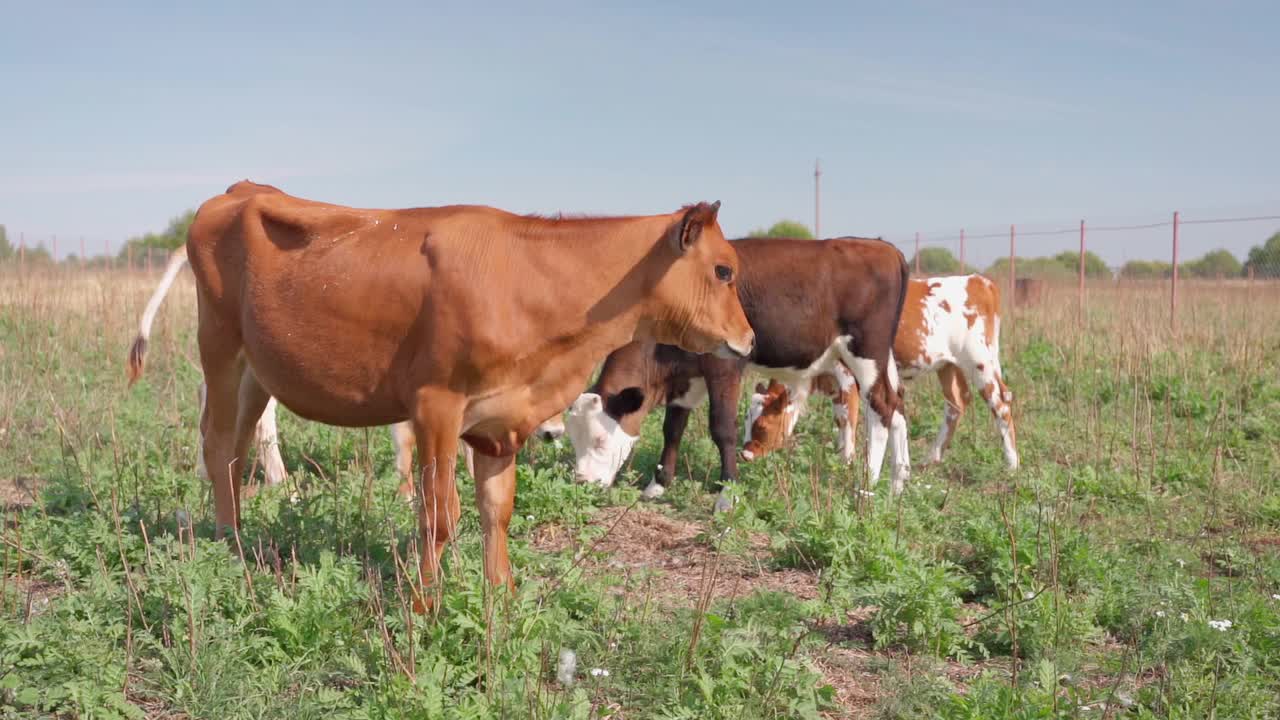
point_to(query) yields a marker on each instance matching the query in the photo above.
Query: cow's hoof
(724, 503)
(654, 490)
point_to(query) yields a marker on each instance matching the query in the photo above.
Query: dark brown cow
(457, 318)
(815, 306)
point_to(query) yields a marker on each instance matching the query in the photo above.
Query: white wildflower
(1028, 595)
(1159, 613)
(599, 672)
(1181, 563)
(1183, 616)
(1275, 596)
(529, 518)
(1220, 625)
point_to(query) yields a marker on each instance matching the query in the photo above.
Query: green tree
(38, 255)
(1000, 268)
(173, 236)
(785, 229)
(1094, 267)
(1146, 270)
(1215, 264)
(937, 261)
(1265, 258)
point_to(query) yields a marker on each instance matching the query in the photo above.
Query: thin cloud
(135, 181)
(892, 90)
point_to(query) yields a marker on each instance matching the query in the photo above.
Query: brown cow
(815, 305)
(456, 318)
(950, 325)
(266, 436)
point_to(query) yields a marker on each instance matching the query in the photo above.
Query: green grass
(1092, 583)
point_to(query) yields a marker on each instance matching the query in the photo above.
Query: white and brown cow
(951, 326)
(817, 307)
(266, 435)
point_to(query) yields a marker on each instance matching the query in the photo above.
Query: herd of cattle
(474, 324)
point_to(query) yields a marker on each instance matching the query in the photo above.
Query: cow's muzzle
(736, 350)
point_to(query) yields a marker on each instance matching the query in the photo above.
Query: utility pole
(817, 199)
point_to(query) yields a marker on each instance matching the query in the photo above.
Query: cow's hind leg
(845, 403)
(999, 399)
(403, 439)
(886, 424)
(252, 404)
(955, 393)
(234, 401)
(845, 407)
(202, 470)
(266, 437)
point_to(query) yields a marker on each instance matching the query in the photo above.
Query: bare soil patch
(641, 538)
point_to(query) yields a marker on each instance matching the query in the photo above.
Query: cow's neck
(615, 263)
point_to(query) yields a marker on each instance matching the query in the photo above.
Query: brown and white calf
(266, 435)
(815, 306)
(951, 326)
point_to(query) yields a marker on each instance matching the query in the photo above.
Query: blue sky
(928, 116)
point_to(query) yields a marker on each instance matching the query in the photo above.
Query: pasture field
(1131, 568)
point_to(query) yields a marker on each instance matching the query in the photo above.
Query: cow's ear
(625, 402)
(761, 389)
(695, 219)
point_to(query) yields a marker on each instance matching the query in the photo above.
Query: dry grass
(1226, 334)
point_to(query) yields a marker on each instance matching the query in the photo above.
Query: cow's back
(304, 284)
(942, 317)
(804, 294)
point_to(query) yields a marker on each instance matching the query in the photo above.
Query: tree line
(1263, 258)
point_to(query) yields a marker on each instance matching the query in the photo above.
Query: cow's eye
(724, 273)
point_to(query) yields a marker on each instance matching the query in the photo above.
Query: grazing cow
(454, 318)
(266, 436)
(816, 306)
(773, 412)
(950, 325)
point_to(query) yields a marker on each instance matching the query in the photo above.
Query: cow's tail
(138, 352)
(905, 270)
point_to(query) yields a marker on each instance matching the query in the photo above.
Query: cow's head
(767, 420)
(600, 443)
(695, 302)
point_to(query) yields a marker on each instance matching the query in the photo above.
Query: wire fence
(26, 252)
(1026, 260)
